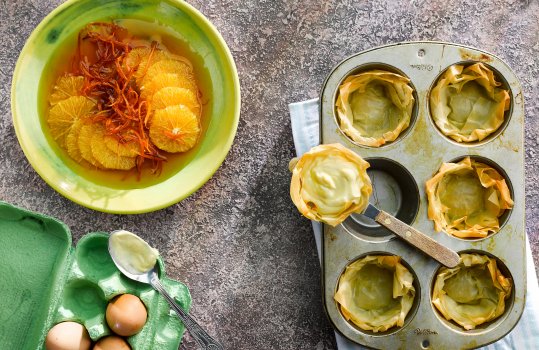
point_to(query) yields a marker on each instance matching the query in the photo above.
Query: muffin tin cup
(509, 302)
(380, 66)
(411, 313)
(504, 84)
(394, 191)
(421, 152)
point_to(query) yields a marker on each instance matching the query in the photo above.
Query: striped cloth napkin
(305, 130)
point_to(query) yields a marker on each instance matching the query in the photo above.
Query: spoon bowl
(144, 277)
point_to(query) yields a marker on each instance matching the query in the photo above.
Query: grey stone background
(239, 244)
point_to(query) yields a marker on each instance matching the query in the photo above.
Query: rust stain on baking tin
(466, 55)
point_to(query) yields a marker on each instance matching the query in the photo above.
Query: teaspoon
(151, 277)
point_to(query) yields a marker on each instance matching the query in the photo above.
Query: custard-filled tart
(330, 182)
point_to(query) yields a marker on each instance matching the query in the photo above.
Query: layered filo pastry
(376, 293)
(330, 182)
(473, 292)
(467, 199)
(374, 107)
(468, 103)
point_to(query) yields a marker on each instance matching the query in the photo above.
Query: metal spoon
(150, 277)
(421, 241)
(412, 236)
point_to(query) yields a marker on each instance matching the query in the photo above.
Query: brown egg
(68, 336)
(111, 342)
(126, 315)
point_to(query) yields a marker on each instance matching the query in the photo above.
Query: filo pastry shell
(376, 293)
(467, 103)
(473, 292)
(330, 182)
(374, 107)
(467, 198)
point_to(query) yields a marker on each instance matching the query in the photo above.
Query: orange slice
(66, 112)
(174, 129)
(171, 95)
(167, 80)
(66, 87)
(182, 68)
(86, 135)
(139, 60)
(134, 57)
(72, 143)
(106, 157)
(125, 149)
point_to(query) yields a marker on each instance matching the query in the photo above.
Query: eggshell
(111, 343)
(68, 336)
(126, 315)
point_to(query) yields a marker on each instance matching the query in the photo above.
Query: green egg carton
(45, 280)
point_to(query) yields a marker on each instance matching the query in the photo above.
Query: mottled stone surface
(247, 255)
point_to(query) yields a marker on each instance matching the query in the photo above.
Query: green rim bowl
(33, 76)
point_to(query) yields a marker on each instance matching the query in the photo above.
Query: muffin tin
(399, 171)
(47, 281)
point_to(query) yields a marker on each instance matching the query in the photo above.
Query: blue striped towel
(305, 130)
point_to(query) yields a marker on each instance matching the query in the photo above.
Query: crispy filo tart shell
(468, 104)
(376, 293)
(466, 199)
(473, 292)
(374, 107)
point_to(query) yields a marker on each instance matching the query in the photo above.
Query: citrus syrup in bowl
(136, 33)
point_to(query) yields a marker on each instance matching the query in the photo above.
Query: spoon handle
(200, 335)
(426, 244)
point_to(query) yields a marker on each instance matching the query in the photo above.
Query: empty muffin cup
(377, 294)
(470, 103)
(374, 105)
(395, 191)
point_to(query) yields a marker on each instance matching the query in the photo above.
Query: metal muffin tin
(399, 171)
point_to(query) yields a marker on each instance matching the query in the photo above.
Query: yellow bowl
(109, 192)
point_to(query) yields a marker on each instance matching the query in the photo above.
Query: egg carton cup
(78, 286)
(399, 171)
